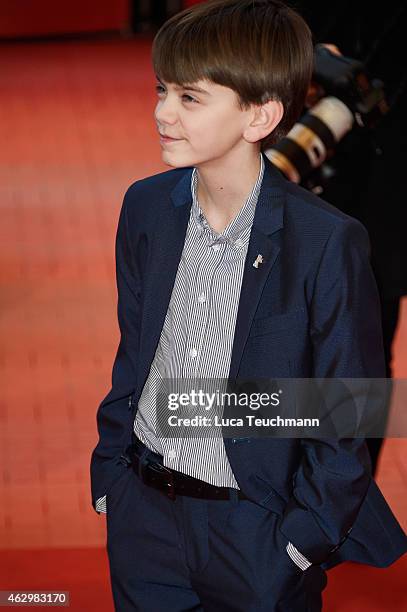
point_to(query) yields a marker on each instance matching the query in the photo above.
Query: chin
(173, 164)
(171, 160)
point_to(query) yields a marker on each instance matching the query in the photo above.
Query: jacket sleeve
(115, 411)
(334, 474)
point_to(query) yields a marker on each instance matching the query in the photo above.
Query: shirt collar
(235, 230)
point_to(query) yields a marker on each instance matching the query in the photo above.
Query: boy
(226, 270)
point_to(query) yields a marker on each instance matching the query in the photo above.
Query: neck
(223, 187)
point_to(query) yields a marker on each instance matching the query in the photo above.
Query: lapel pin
(259, 259)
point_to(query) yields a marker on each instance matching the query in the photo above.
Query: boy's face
(206, 124)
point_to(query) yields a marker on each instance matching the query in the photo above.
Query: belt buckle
(162, 470)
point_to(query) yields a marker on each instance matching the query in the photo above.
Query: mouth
(168, 139)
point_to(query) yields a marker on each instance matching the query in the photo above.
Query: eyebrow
(190, 88)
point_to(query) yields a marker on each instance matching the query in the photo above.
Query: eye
(160, 89)
(190, 98)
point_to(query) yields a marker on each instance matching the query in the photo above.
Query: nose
(165, 112)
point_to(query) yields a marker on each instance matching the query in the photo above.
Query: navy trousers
(200, 555)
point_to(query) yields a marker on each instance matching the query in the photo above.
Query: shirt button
(239, 242)
(172, 454)
(216, 247)
(201, 298)
(193, 352)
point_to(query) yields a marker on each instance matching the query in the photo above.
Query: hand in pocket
(286, 576)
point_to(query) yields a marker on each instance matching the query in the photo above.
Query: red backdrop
(188, 3)
(41, 17)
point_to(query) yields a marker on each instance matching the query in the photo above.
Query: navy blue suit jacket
(310, 310)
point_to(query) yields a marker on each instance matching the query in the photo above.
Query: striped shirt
(197, 336)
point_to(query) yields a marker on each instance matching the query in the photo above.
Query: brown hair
(262, 49)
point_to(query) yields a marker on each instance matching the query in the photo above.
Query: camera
(342, 97)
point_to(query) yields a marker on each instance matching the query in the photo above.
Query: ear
(263, 120)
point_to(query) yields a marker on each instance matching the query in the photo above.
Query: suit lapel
(252, 287)
(265, 240)
(167, 248)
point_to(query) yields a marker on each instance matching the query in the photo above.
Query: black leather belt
(171, 482)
